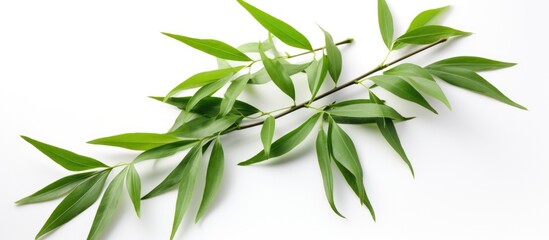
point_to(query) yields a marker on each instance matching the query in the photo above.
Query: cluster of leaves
(205, 118)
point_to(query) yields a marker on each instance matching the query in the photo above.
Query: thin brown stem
(347, 84)
(346, 41)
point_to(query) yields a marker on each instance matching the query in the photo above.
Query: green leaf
(325, 163)
(254, 46)
(214, 175)
(388, 130)
(429, 34)
(293, 69)
(420, 79)
(133, 185)
(475, 64)
(364, 110)
(286, 143)
(210, 106)
(202, 79)
(316, 74)
(267, 133)
(165, 150)
(136, 141)
(206, 91)
(233, 91)
(344, 152)
(280, 29)
(186, 187)
(426, 17)
(279, 75)
(213, 47)
(260, 77)
(78, 200)
(108, 205)
(385, 20)
(222, 63)
(470, 80)
(176, 175)
(69, 160)
(402, 89)
(351, 120)
(204, 127)
(335, 61)
(182, 118)
(56, 189)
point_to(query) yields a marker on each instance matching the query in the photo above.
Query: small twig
(347, 84)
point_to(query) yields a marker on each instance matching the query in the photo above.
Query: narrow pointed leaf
(107, 206)
(209, 106)
(470, 80)
(334, 59)
(365, 110)
(176, 175)
(402, 89)
(280, 29)
(385, 19)
(202, 79)
(165, 150)
(316, 74)
(214, 175)
(133, 185)
(352, 120)
(206, 91)
(136, 141)
(420, 79)
(204, 127)
(279, 75)
(325, 163)
(56, 189)
(233, 91)
(213, 47)
(286, 143)
(260, 77)
(185, 192)
(183, 118)
(429, 34)
(343, 151)
(254, 46)
(426, 17)
(475, 64)
(78, 200)
(293, 69)
(267, 133)
(67, 159)
(388, 130)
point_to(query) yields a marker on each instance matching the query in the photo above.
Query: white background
(72, 71)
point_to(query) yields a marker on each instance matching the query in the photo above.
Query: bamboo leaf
(136, 141)
(210, 106)
(260, 77)
(78, 200)
(286, 143)
(343, 151)
(475, 64)
(233, 91)
(470, 80)
(334, 59)
(206, 91)
(56, 189)
(214, 175)
(202, 79)
(293, 69)
(253, 47)
(280, 29)
(325, 163)
(204, 127)
(385, 20)
(279, 75)
(402, 89)
(133, 185)
(420, 79)
(364, 110)
(185, 192)
(316, 74)
(426, 17)
(165, 150)
(213, 47)
(67, 159)
(429, 34)
(267, 133)
(176, 175)
(108, 205)
(388, 130)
